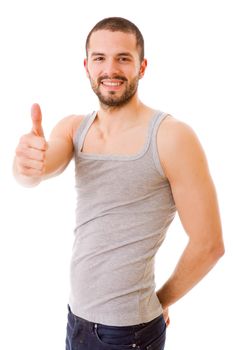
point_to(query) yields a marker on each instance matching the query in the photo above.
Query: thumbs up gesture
(36, 116)
(31, 150)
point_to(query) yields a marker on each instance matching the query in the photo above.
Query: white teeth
(108, 83)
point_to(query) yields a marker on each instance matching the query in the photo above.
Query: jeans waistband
(91, 325)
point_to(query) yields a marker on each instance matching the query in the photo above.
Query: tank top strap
(82, 130)
(158, 116)
(154, 146)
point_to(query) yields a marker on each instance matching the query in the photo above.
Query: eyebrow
(119, 54)
(97, 54)
(128, 54)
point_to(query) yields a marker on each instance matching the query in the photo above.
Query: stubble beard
(111, 100)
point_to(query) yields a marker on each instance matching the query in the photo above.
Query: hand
(31, 150)
(166, 317)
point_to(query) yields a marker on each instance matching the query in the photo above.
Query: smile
(111, 83)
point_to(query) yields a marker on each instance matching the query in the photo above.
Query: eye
(124, 59)
(99, 58)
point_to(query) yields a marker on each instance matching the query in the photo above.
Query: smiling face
(113, 66)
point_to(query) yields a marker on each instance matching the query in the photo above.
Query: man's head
(119, 24)
(115, 60)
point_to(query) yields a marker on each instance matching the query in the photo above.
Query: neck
(113, 119)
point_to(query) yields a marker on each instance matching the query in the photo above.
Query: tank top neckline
(99, 156)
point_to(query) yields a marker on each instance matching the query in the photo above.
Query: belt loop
(93, 327)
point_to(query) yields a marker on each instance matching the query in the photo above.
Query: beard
(111, 99)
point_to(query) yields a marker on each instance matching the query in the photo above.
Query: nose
(111, 67)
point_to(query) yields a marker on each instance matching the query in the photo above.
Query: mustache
(120, 77)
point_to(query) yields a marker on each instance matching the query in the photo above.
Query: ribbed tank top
(124, 207)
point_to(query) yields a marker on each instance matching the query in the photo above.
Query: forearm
(58, 156)
(193, 265)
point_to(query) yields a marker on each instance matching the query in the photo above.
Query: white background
(189, 50)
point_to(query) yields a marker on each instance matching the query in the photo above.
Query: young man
(135, 167)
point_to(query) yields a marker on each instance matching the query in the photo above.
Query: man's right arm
(36, 159)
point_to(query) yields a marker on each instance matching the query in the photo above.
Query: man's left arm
(185, 165)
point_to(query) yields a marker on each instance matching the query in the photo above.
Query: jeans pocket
(113, 339)
(152, 336)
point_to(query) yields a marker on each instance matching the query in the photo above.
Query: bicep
(60, 147)
(186, 168)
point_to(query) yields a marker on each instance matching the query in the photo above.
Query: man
(135, 167)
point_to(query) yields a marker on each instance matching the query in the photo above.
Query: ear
(143, 68)
(85, 66)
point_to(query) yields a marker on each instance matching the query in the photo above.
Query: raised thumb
(36, 116)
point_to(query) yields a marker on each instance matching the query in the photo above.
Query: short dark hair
(119, 24)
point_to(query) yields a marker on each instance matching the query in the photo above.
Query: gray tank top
(124, 207)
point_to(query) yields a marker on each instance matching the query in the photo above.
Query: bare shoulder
(175, 131)
(67, 127)
(179, 147)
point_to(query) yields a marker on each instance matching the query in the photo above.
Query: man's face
(113, 66)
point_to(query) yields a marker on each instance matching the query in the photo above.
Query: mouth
(113, 84)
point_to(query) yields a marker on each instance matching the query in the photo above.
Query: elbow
(217, 251)
(220, 251)
(210, 252)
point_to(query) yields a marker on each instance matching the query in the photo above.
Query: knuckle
(21, 140)
(43, 155)
(43, 144)
(18, 152)
(18, 148)
(40, 143)
(22, 170)
(39, 165)
(20, 163)
(24, 139)
(42, 171)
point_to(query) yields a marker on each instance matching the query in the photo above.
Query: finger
(31, 141)
(31, 163)
(30, 153)
(36, 116)
(29, 172)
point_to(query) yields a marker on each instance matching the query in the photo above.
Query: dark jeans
(86, 335)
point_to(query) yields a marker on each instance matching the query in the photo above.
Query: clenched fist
(31, 150)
